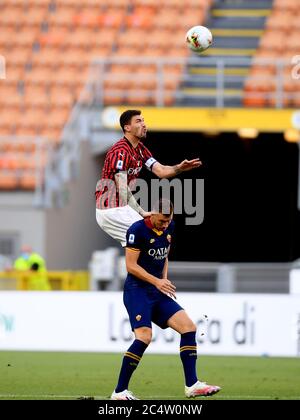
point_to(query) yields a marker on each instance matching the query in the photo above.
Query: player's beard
(143, 135)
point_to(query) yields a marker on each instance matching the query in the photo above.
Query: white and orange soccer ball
(199, 38)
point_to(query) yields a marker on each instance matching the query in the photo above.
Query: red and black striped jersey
(122, 156)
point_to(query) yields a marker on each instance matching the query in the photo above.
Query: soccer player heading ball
(116, 207)
(148, 297)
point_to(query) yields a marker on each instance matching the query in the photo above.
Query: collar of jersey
(150, 226)
(131, 145)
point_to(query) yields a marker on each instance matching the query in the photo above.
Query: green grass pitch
(43, 375)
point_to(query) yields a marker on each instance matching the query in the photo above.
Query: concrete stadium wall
(20, 219)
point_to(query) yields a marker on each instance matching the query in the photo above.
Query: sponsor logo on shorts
(138, 317)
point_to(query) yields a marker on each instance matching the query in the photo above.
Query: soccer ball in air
(198, 38)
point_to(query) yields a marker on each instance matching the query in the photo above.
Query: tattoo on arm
(176, 169)
(126, 194)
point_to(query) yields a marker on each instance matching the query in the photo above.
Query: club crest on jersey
(169, 237)
(152, 240)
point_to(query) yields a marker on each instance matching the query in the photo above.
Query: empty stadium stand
(140, 58)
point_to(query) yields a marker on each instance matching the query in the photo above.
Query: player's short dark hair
(164, 207)
(126, 116)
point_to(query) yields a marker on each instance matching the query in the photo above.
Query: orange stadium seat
(39, 76)
(36, 97)
(167, 19)
(192, 17)
(6, 37)
(280, 21)
(112, 19)
(28, 180)
(295, 22)
(274, 40)
(133, 38)
(88, 19)
(113, 97)
(294, 41)
(61, 98)
(47, 57)
(99, 51)
(54, 38)
(25, 37)
(10, 16)
(106, 36)
(8, 180)
(31, 122)
(81, 38)
(8, 120)
(267, 58)
(141, 18)
(13, 76)
(139, 97)
(169, 98)
(17, 56)
(34, 16)
(291, 5)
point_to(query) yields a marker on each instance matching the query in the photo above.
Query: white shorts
(116, 221)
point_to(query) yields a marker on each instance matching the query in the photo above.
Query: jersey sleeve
(119, 161)
(148, 159)
(134, 238)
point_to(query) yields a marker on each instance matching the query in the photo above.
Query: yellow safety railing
(59, 280)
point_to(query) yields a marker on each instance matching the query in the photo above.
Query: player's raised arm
(163, 171)
(132, 266)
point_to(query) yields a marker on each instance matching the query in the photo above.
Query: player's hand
(167, 287)
(187, 165)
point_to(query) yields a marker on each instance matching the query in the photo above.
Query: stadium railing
(158, 81)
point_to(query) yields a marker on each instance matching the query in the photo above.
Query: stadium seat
(28, 180)
(141, 18)
(139, 96)
(8, 180)
(280, 21)
(274, 40)
(290, 5)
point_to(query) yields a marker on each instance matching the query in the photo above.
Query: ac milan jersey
(122, 156)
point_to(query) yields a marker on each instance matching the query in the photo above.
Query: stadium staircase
(236, 27)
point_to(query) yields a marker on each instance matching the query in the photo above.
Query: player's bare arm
(164, 285)
(163, 171)
(165, 270)
(127, 196)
